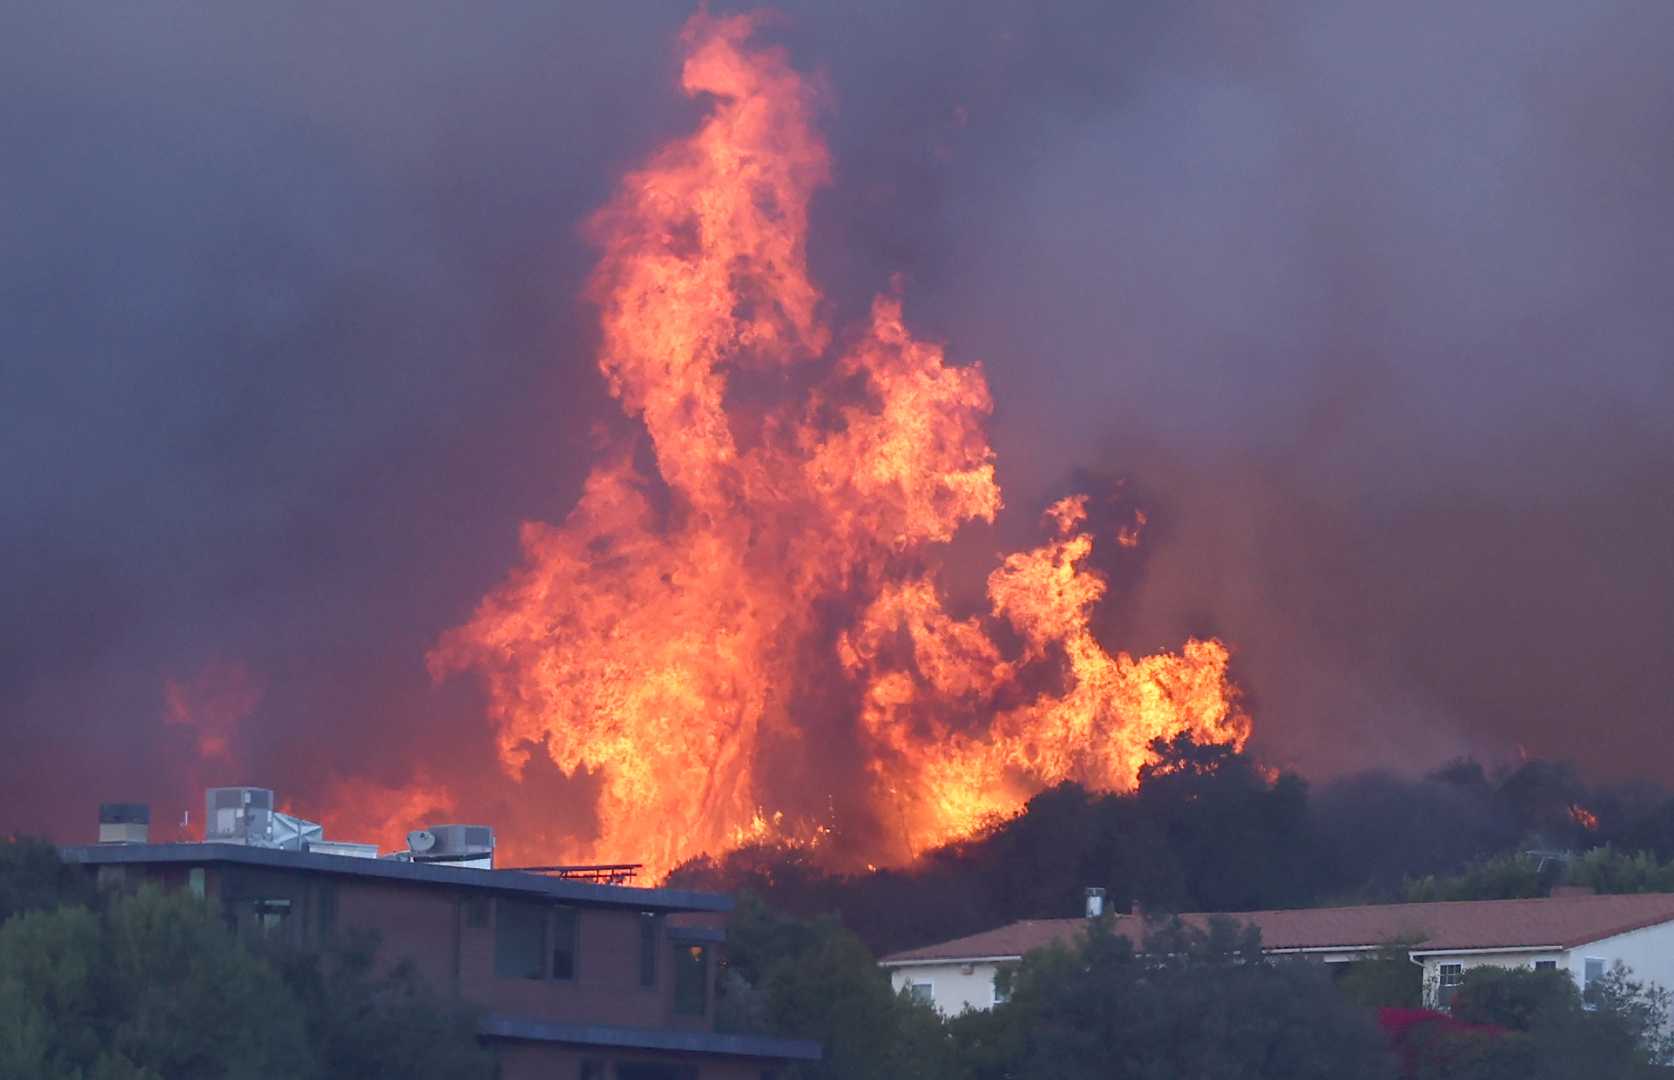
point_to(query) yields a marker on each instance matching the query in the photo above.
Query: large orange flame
(659, 638)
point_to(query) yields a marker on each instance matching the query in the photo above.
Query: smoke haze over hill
(1365, 307)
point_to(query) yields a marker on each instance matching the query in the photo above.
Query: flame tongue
(659, 648)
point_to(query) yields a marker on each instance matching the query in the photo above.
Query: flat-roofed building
(575, 979)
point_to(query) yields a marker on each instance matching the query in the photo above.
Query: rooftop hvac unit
(245, 815)
(124, 823)
(456, 845)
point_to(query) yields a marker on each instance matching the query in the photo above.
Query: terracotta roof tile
(1561, 922)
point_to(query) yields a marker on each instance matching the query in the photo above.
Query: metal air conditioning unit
(453, 845)
(245, 815)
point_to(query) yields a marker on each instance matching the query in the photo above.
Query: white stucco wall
(952, 990)
(1648, 952)
(1432, 965)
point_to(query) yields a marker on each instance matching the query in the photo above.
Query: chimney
(1095, 902)
(124, 823)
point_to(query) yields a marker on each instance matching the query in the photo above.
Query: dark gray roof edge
(499, 1026)
(511, 881)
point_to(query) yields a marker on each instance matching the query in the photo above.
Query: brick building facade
(574, 979)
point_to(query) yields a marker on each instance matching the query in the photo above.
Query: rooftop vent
(245, 815)
(124, 823)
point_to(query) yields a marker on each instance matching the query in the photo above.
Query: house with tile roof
(1582, 934)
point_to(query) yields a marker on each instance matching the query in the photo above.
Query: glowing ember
(672, 628)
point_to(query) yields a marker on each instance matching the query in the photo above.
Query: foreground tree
(1207, 1006)
(151, 986)
(1519, 1024)
(815, 980)
(34, 878)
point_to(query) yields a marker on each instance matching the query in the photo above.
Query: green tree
(1500, 877)
(815, 980)
(1203, 1005)
(1533, 1026)
(153, 988)
(33, 878)
(1606, 870)
(1519, 999)
(363, 1021)
(1387, 979)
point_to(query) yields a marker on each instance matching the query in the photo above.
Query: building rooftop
(1558, 922)
(500, 881)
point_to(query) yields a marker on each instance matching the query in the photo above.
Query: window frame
(1588, 979)
(650, 940)
(502, 906)
(927, 985)
(1450, 975)
(994, 983)
(555, 919)
(682, 1001)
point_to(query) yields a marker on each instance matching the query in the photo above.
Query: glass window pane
(519, 939)
(565, 926)
(691, 980)
(647, 949)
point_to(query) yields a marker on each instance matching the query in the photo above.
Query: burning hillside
(716, 616)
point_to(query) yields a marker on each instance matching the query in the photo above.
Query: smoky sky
(1369, 305)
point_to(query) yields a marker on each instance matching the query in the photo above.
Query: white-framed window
(1002, 985)
(922, 991)
(1448, 979)
(1592, 974)
(1546, 965)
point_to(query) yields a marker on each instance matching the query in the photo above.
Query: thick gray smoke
(1369, 305)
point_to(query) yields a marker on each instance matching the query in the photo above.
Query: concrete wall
(952, 989)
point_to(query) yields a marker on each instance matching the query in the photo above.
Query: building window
(922, 991)
(327, 905)
(1450, 976)
(1592, 979)
(691, 980)
(566, 924)
(1546, 965)
(195, 882)
(651, 1070)
(1002, 985)
(519, 939)
(647, 949)
(271, 914)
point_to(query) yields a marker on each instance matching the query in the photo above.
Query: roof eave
(506, 881)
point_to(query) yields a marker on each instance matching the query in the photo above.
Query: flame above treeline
(696, 630)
